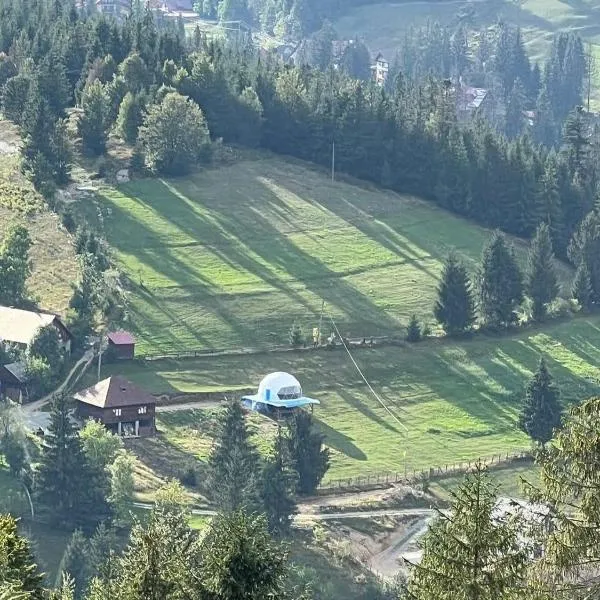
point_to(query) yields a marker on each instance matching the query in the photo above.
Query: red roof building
(122, 345)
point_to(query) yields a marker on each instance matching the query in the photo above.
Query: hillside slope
(233, 256)
(54, 265)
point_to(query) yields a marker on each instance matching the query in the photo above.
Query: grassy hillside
(383, 25)
(457, 401)
(54, 265)
(231, 257)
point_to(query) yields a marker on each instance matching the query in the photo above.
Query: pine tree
(541, 413)
(413, 330)
(455, 306)
(570, 485)
(93, 123)
(279, 483)
(69, 489)
(17, 566)
(305, 446)
(15, 266)
(469, 554)
(130, 118)
(241, 560)
(541, 278)
(500, 283)
(234, 463)
(582, 287)
(74, 564)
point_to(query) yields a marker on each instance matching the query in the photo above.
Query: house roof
(121, 338)
(17, 370)
(115, 392)
(21, 326)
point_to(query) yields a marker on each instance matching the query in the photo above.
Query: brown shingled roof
(115, 392)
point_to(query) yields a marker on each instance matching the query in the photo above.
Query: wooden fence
(411, 476)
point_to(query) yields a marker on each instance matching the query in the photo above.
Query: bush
(68, 220)
(296, 336)
(413, 333)
(189, 477)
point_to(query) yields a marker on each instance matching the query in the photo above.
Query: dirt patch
(200, 397)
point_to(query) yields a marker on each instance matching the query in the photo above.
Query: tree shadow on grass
(360, 405)
(339, 441)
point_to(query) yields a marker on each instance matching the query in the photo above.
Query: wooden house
(20, 327)
(120, 406)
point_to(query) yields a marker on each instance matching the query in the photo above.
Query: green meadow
(449, 402)
(232, 257)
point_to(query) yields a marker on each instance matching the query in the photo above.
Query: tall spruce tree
(541, 413)
(541, 278)
(234, 463)
(93, 123)
(571, 486)
(309, 458)
(74, 564)
(500, 283)
(72, 492)
(241, 560)
(455, 306)
(15, 266)
(469, 554)
(582, 287)
(18, 569)
(278, 488)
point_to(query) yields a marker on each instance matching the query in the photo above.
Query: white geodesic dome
(279, 385)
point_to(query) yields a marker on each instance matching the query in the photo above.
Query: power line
(365, 379)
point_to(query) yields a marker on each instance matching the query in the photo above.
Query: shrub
(296, 336)
(413, 333)
(189, 477)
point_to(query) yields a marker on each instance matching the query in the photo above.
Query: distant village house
(472, 102)
(380, 70)
(120, 406)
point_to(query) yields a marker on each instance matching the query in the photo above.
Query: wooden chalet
(120, 406)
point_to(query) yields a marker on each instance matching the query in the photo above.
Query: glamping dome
(278, 392)
(282, 386)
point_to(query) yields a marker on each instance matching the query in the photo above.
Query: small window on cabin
(117, 412)
(142, 410)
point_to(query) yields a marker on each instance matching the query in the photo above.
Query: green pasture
(450, 402)
(231, 257)
(382, 26)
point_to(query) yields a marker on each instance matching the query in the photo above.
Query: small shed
(279, 394)
(120, 406)
(13, 381)
(122, 343)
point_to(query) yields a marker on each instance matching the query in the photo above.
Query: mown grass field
(382, 26)
(231, 257)
(451, 402)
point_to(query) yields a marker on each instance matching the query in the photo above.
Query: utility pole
(332, 125)
(99, 357)
(590, 68)
(333, 161)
